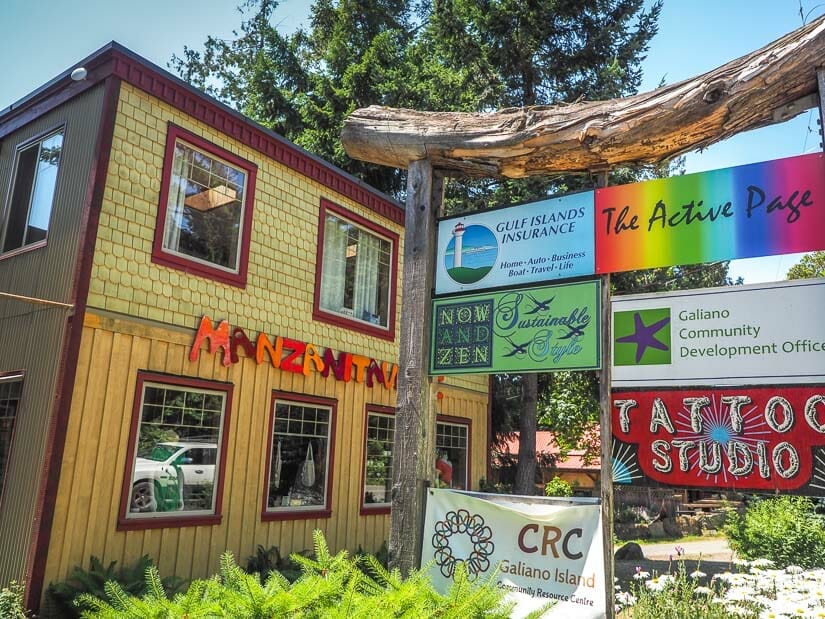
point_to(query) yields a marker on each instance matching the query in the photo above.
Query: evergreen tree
(458, 55)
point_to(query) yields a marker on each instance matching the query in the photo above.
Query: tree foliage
(811, 265)
(458, 55)
(784, 529)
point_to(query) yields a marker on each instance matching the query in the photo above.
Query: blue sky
(41, 38)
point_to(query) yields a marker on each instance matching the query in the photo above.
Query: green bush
(784, 529)
(558, 487)
(330, 586)
(61, 596)
(11, 601)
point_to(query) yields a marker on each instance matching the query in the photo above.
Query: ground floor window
(378, 458)
(300, 456)
(10, 389)
(175, 456)
(452, 454)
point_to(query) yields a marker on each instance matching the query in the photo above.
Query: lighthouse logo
(471, 253)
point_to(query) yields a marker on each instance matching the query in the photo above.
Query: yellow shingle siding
(279, 293)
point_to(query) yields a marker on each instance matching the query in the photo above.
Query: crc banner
(545, 550)
(526, 330)
(517, 245)
(735, 335)
(743, 438)
(761, 209)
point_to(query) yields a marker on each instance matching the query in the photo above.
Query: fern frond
(154, 585)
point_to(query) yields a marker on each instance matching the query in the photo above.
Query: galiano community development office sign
(734, 335)
(546, 550)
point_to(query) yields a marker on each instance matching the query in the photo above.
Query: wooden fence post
(414, 448)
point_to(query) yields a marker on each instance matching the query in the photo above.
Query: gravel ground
(712, 556)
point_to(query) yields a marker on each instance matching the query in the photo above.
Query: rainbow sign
(761, 209)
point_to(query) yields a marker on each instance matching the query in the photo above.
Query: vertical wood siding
(113, 351)
(31, 336)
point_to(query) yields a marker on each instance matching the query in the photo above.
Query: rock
(657, 530)
(713, 521)
(689, 525)
(672, 528)
(631, 531)
(630, 552)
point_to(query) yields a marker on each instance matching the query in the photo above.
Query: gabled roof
(116, 61)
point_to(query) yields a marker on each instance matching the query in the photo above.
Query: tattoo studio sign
(526, 330)
(748, 438)
(735, 335)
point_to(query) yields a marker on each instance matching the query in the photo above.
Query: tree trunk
(528, 422)
(770, 85)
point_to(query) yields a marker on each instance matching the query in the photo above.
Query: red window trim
(282, 513)
(21, 375)
(372, 509)
(161, 257)
(461, 421)
(338, 320)
(158, 522)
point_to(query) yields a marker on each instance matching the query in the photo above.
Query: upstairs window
(205, 210)
(357, 263)
(32, 194)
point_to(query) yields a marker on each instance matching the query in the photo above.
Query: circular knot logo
(458, 531)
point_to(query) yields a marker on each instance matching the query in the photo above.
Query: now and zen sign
(526, 330)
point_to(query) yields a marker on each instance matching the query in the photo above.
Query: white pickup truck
(166, 478)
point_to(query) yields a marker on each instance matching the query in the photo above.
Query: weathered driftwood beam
(767, 86)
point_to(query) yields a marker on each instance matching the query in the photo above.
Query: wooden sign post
(605, 429)
(414, 455)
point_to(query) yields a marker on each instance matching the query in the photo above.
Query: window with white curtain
(205, 208)
(355, 272)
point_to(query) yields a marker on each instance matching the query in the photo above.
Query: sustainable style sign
(525, 244)
(526, 330)
(735, 335)
(546, 551)
(743, 438)
(761, 209)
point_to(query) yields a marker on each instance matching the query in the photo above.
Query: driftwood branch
(764, 87)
